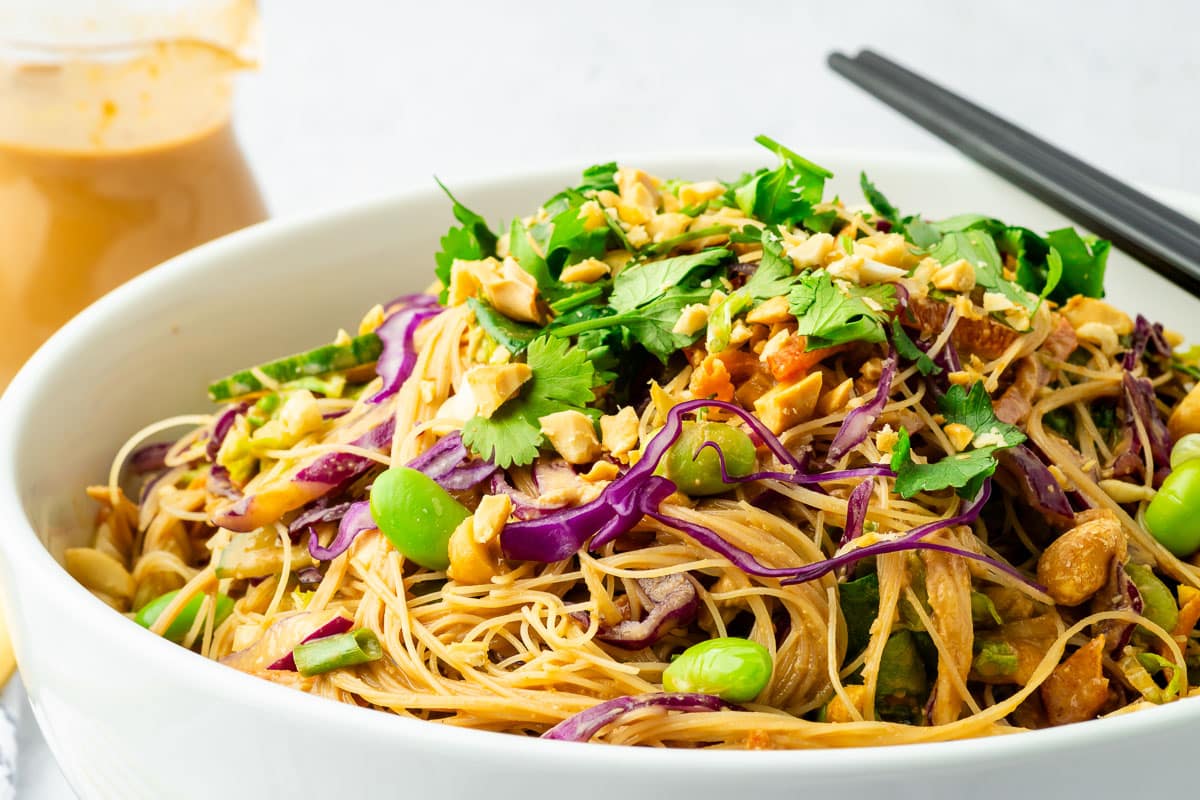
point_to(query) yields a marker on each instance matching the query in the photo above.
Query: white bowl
(129, 715)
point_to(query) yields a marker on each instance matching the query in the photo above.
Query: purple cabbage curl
(587, 723)
(219, 483)
(332, 628)
(1038, 486)
(150, 458)
(309, 576)
(859, 421)
(220, 428)
(398, 358)
(451, 466)
(524, 507)
(856, 511)
(670, 602)
(1147, 336)
(1140, 404)
(321, 510)
(356, 520)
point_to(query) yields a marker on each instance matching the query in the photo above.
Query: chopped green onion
(334, 652)
(329, 358)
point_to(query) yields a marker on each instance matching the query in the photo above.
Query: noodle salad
(695, 464)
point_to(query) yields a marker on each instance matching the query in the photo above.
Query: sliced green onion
(335, 652)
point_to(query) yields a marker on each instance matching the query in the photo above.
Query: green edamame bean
(416, 515)
(1172, 515)
(179, 627)
(1186, 449)
(734, 669)
(701, 474)
(1158, 604)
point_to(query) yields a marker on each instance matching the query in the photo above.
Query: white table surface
(360, 98)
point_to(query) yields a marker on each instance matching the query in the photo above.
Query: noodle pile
(525, 648)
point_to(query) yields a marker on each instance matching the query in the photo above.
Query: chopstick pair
(1160, 237)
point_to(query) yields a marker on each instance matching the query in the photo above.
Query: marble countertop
(380, 95)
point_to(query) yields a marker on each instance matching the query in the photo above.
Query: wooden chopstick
(1160, 237)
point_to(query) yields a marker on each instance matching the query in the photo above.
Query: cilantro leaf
(637, 285)
(599, 177)
(473, 241)
(785, 195)
(1083, 260)
(774, 277)
(974, 409)
(652, 324)
(521, 247)
(909, 350)
(562, 380)
(883, 208)
(964, 471)
(513, 335)
(828, 316)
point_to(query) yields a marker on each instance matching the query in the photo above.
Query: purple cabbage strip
(524, 507)
(356, 520)
(309, 576)
(859, 421)
(672, 603)
(1140, 403)
(150, 457)
(1146, 336)
(319, 511)
(451, 466)
(587, 723)
(218, 483)
(410, 301)
(1037, 484)
(220, 428)
(332, 628)
(856, 511)
(398, 358)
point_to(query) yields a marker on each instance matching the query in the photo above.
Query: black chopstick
(1160, 237)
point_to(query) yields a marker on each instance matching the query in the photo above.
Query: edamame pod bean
(1158, 603)
(179, 627)
(734, 669)
(416, 515)
(701, 474)
(1173, 516)
(1186, 449)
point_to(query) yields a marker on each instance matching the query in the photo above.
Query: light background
(361, 97)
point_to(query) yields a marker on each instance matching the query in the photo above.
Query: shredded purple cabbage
(150, 458)
(856, 511)
(309, 576)
(321, 510)
(1147, 336)
(1140, 404)
(398, 358)
(356, 520)
(332, 628)
(220, 428)
(859, 421)
(1037, 484)
(587, 723)
(671, 602)
(451, 466)
(524, 507)
(218, 483)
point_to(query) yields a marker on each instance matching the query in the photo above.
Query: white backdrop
(361, 97)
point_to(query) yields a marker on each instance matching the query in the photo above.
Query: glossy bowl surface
(129, 715)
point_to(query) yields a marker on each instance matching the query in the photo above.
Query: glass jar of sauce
(116, 153)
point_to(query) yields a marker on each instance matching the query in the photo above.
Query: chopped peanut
(995, 301)
(592, 215)
(372, 320)
(1100, 335)
(1077, 564)
(1185, 418)
(1077, 689)
(667, 226)
(958, 276)
(813, 251)
(786, 405)
(770, 312)
(1081, 310)
(837, 711)
(692, 319)
(587, 271)
(619, 432)
(836, 398)
(572, 434)
(960, 435)
(474, 547)
(601, 471)
(693, 194)
(491, 385)
(514, 293)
